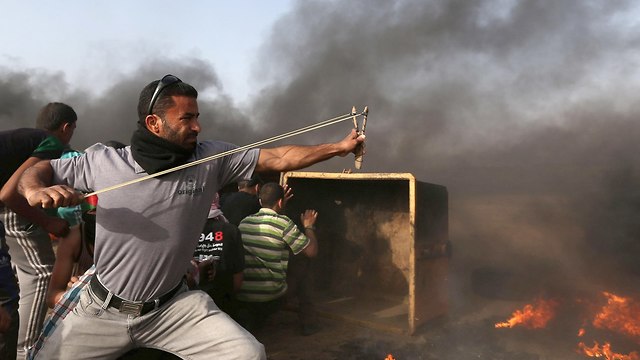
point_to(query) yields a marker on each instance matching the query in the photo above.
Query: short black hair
(115, 144)
(164, 98)
(55, 114)
(253, 181)
(270, 193)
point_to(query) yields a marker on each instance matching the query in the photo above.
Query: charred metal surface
(356, 221)
(384, 247)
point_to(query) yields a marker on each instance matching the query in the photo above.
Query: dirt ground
(467, 332)
(456, 337)
(336, 339)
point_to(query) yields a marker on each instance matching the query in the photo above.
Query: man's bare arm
(34, 186)
(12, 199)
(10, 196)
(66, 255)
(293, 157)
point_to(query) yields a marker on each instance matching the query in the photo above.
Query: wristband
(310, 227)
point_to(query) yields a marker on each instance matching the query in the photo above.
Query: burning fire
(621, 314)
(533, 316)
(606, 352)
(390, 357)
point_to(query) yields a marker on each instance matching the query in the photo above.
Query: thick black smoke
(111, 114)
(525, 110)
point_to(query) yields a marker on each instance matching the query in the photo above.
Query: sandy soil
(468, 332)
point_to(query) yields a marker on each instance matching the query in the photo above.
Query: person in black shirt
(238, 205)
(220, 252)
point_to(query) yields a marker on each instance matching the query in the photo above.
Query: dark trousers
(298, 295)
(253, 315)
(9, 339)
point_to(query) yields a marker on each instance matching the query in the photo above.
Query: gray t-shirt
(146, 232)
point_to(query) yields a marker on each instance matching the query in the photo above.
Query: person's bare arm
(190, 275)
(293, 157)
(237, 281)
(35, 183)
(288, 194)
(10, 196)
(308, 222)
(66, 255)
(207, 270)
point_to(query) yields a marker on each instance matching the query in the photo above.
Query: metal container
(383, 246)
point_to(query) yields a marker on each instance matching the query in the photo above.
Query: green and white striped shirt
(267, 237)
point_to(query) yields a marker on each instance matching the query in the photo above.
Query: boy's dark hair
(115, 144)
(270, 193)
(164, 98)
(55, 114)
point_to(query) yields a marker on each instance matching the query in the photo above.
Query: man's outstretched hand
(350, 143)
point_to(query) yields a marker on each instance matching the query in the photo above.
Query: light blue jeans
(189, 326)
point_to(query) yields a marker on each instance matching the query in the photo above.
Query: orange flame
(390, 357)
(621, 315)
(606, 352)
(534, 316)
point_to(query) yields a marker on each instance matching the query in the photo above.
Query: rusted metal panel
(383, 246)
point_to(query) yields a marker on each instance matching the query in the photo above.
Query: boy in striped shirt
(267, 237)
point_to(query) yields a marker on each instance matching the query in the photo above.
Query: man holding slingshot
(146, 231)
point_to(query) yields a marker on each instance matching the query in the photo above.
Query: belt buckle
(131, 308)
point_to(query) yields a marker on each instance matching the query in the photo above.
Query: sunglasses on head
(163, 83)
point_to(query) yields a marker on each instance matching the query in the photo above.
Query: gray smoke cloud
(111, 114)
(525, 110)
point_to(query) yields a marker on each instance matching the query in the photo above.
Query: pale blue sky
(93, 41)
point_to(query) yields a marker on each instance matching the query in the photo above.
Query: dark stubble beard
(174, 136)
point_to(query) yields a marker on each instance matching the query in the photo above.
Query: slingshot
(353, 115)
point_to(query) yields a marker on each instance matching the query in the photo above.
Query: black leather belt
(130, 307)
